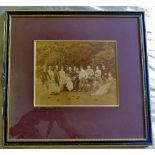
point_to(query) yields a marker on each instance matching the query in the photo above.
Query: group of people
(57, 79)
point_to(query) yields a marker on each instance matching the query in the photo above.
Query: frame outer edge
(145, 73)
(2, 48)
(146, 79)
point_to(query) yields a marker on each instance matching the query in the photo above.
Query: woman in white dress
(53, 87)
(69, 83)
(104, 88)
(50, 72)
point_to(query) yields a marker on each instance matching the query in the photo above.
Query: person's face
(70, 68)
(96, 67)
(103, 67)
(88, 67)
(56, 67)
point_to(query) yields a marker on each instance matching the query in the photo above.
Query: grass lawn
(66, 98)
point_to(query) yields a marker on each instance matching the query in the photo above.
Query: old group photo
(75, 73)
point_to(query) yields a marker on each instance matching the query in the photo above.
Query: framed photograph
(63, 76)
(75, 79)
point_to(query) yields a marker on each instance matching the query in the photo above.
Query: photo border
(81, 105)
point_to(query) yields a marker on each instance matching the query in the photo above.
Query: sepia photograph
(75, 73)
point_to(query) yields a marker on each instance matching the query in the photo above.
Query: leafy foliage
(74, 52)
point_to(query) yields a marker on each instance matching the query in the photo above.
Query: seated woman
(68, 83)
(106, 87)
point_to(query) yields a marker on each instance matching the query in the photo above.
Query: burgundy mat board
(124, 122)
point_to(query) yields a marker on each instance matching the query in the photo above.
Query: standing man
(103, 71)
(90, 73)
(44, 76)
(62, 78)
(82, 77)
(76, 79)
(70, 72)
(90, 78)
(56, 75)
(98, 73)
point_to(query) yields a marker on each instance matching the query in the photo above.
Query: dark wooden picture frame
(100, 142)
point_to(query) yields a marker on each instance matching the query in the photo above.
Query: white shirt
(62, 74)
(83, 74)
(90, 72)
